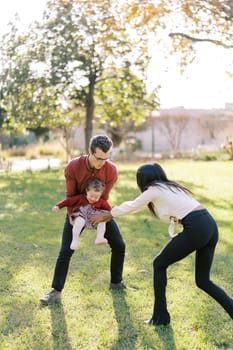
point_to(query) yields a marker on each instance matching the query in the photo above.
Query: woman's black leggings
(200, 234)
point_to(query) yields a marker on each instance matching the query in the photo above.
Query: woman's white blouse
(168, 202)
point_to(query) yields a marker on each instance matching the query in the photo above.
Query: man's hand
(100, 217)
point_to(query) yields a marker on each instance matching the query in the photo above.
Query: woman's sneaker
(50, 297)
(159, 319)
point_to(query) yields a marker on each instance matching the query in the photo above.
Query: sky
(28, 10)
(205, 83)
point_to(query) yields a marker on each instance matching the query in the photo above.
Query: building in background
(179, 129)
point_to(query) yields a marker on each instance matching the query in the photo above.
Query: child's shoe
(74, 245)
(100, 241)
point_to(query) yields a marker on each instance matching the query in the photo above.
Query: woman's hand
(100, 217)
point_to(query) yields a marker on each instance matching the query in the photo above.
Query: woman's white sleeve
(134, 206)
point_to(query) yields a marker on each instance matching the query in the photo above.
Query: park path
(33, 164)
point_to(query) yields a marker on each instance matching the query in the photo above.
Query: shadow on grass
(127, 334)
(165, 333)
(59, 328)
(28, 243)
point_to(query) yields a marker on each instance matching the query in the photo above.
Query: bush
(228, 147)
(35, 151)
(46, 152)
(17, 152)
(208, 154)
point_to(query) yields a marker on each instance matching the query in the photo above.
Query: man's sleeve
(71, 189)
(105, 205)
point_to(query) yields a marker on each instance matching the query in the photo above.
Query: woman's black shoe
(159, 321)
(149, 322)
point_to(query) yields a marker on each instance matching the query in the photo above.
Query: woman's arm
(128, 207)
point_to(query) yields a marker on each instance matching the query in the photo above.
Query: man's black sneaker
(50, 297)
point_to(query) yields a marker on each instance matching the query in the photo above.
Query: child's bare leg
(77, 227)
(100, 234)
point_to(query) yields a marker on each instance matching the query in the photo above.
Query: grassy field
(89, 316)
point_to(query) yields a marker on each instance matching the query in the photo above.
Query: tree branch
(191, 38)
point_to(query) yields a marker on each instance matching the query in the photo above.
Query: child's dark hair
(96, 184)
(154, 175)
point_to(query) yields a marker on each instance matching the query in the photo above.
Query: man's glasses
(100, 159)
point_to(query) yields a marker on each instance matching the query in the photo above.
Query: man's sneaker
(117, 286)
(50, 297)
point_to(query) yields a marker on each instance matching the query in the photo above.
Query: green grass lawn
(89, 316)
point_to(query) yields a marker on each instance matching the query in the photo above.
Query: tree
(186, 22)
(173, 127)
(85, 42)
(123, 102)
(79, 44)
(26, 97)
(212, 124)
(204, 21)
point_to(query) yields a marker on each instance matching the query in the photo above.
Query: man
(77, 174)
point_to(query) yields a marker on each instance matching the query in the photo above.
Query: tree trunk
(90, 105)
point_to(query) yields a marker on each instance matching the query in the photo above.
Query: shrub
(228, 147)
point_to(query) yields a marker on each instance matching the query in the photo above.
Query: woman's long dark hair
(154, 175)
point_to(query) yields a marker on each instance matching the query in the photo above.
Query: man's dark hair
(102, 142)
(96, 184)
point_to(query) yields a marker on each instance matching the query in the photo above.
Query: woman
(172, 202)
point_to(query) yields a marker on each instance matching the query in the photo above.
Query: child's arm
(68, 202)
(59, 205)
(55, 209)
